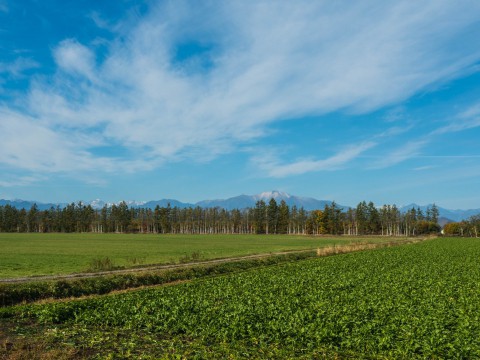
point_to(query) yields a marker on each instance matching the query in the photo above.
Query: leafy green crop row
(414, 301)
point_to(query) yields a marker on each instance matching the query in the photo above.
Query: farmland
(47, 254)
(411, 301)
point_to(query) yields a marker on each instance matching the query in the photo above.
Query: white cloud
(395, 114)
(468, 119)
(458, 125)
(465, 120)
(100, 22)
(268, 61)
(424, 168)
(18, 67)
(271, 166)
(20, 181)
(29, 146)
(407, 151)
(76, 58)
(393, 131)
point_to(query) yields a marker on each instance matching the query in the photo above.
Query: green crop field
(47, 254)
(412, 301)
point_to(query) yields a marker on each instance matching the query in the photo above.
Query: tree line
(265, 218)
(468, 228)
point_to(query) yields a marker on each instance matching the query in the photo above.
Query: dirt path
(320, 252)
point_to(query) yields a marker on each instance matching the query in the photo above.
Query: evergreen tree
(435, 213)
(283, 218)
(260, 217)
(272, 217)
(373, 221)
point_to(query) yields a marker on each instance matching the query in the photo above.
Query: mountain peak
(275, 194)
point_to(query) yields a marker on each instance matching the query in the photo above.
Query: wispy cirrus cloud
(271, 166)
(259, 63)
(465, 120)
(407, 151)
(14, 181)
(468, 119)
(18, 67)
(425, 168)
(393, 131)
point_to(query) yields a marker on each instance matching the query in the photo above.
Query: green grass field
(51, 254)
(418, 301)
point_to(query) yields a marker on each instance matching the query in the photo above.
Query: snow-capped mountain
(98, 204)
(246, 201)
(267, 195)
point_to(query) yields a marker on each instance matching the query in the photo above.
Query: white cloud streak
(271, 166)
(20, 181)
(18, 67)
(266, 61)
(425, 168)
(466, 120)
(410, 150)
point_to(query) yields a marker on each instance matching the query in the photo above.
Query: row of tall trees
(264, 218)
(470, 227)
(367, 219)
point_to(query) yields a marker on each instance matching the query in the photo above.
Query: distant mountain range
(242, 202)
(246, 201)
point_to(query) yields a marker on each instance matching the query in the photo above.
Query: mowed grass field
(52, 254)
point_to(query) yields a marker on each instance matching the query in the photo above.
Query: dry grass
(24, 350)
(343, 249)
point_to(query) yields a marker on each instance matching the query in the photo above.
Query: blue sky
(143, 100)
